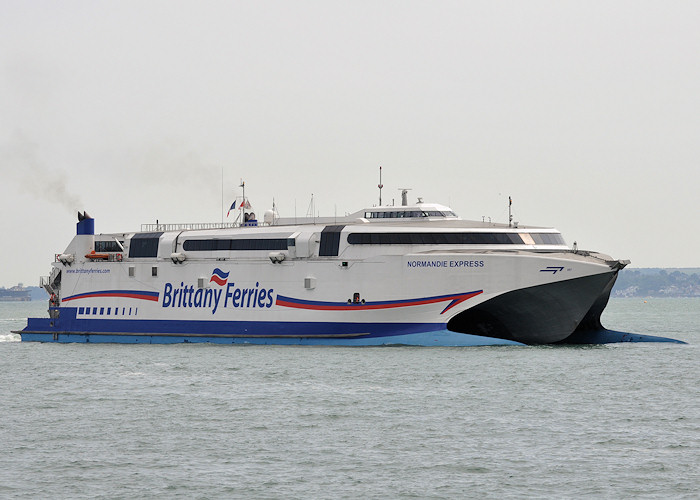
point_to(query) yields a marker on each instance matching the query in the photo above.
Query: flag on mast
(233, 206)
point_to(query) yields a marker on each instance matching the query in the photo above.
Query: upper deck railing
(152, 228)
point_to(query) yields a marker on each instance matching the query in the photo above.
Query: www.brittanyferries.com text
(87, 271)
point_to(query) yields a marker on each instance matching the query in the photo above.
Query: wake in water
(605, 336)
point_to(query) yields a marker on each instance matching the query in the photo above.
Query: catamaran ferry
(386, 275)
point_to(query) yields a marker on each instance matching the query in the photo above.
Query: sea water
(209, 421)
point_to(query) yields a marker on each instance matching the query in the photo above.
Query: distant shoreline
(658, 282)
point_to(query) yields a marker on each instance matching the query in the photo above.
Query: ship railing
(153, 228)
(45, 283)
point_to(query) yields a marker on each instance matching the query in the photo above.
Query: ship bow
(540, 314)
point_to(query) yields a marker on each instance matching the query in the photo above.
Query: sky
(586, 113)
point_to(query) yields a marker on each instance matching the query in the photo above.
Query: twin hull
(446, 298)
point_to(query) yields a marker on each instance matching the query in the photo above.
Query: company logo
(219, 277)
(552, 269)
(228, 296)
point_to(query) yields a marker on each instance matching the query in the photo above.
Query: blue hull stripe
(68, 328)
(440, 338)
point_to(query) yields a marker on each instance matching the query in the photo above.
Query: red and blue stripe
(454, 299)
(126, 294)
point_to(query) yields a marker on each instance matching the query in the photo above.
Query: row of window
(402, 214)
(454, 239)
(102, 311)
(108, 246)
(148, 247)
(236, 244)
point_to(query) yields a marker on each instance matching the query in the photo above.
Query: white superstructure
(409, 274)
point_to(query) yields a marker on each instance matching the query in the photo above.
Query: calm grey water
(200, 421)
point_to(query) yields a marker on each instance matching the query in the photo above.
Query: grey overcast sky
(587, 113)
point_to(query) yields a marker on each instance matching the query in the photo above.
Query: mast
(510, 212)
(380, 186)
(222, 196)
(241, 207)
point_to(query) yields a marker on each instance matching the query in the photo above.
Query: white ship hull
(352, 284)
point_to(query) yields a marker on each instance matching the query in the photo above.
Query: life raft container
(97, 256)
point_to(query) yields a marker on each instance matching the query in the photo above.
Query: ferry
(408, 274)
(17, 293)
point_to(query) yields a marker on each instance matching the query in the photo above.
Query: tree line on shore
(656, 282)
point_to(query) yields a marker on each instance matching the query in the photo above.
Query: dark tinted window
(451, 239)
(107, 246)
(398, 214)
(434, 239)
(144, 245)
(144, 248)
(330, 241)
(235, 244)
(548, 238)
